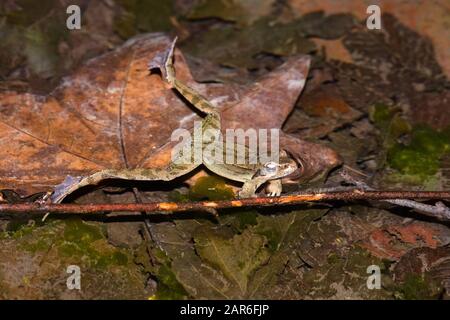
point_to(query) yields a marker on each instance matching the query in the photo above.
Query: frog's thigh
(274, 188)
(152, 174)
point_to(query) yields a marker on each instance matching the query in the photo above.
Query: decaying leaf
(39, 49)
(104, 115)
(423, 273)
(112, 113)
(321, 111)
(393, 65)
(241, 11)
(34, 261)
(241, 48)
(236, 257)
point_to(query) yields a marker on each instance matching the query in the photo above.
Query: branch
(211, 206)
(439, 210)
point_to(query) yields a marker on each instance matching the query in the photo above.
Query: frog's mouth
(298, 173)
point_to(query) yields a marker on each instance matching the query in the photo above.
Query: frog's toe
(273, 188)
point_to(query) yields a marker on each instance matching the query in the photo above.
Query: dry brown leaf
(112, 113)
(322, 110)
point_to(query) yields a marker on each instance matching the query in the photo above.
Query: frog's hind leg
(190, 94)
(140, 174)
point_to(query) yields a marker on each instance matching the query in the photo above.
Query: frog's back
(235, 172)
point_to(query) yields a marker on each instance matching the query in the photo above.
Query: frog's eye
(271, 167)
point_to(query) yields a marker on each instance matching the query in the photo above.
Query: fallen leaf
(430, 264)
(394, 65)
(103, 116)
(237, 257)
(39, 49)
(241, 11)
(112, 113)
(393, 241)
(320, 112)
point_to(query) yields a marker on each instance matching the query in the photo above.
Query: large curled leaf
(103, 116)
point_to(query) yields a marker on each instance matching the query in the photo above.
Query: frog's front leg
(274, 188)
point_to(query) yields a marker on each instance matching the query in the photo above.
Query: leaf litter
(103, 113)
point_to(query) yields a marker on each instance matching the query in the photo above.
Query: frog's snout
(288, 168)
(293, 166)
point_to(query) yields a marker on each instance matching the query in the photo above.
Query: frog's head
(275, 170)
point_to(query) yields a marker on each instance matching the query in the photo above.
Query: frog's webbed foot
(64, 188)
(163, 61)
(274, 188)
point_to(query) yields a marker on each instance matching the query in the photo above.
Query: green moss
(178, 196)
(16, 225)
(168, 286)
(380, 114)
(119, 258)
(18, 230)
(416, 287)
(74, 240)
(415, 161)
(243, 219)
(88, 242)
(81, 232)
(38, 246)
(210, 188)
(421, 156)
(390, 123)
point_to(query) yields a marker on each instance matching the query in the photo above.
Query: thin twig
(439, 210)
(206, 206)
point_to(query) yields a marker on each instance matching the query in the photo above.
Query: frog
(252, 175)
